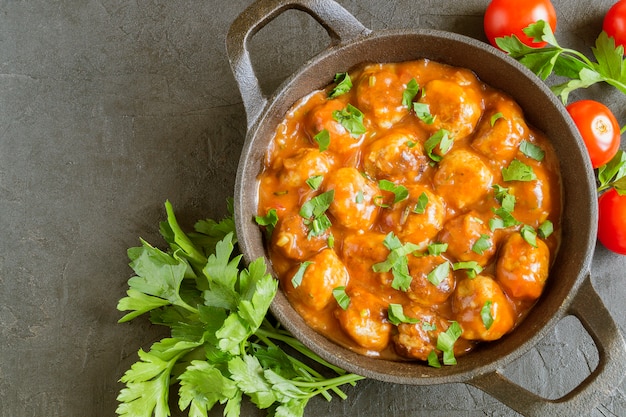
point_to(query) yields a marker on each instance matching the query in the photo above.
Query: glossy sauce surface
(417, 175)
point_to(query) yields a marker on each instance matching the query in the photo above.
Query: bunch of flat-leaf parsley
(223, 345)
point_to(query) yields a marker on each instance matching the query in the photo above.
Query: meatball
(325, 273)
(354, 205)
(462, 179)
(365, 320)
(417, 340)
(399, 154)
(522, 269)
(306, 163)
(414, 221)
(360, 251)
(290, 238)
(422, 290)
(498, 139)
(482, 309)
(469, 239)
(320, 118)
(379, 94)
(455, 108)
(534, 200)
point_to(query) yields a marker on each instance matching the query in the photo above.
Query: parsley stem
(297, 345)
(578, 55)
(330, 383)
(312, 373)
(621, 132)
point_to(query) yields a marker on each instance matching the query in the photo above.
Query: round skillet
(568, 290)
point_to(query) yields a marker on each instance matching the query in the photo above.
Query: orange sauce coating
(453, 193)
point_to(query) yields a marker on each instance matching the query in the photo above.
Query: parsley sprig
(582, 72)
(223, 345)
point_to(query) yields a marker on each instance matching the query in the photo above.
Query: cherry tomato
(509, 17)
(612, 221)
(614, 23)
(598, 128)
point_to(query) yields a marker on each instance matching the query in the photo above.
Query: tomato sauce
(415, 198)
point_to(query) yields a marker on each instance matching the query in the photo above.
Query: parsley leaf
(486, 314)
(411, 90)
(529, 234)
(518, 171)
(472, 268)
(400, 192)
(422, 111)
(351, 119)
(437, 249)
(322, 139)
(344, 84)
(441, 139)
(268, 221)
(495, 117)
(342, 298)
(439, 273)
(545, 229)
(446, 340)
(482, 244)
(396, 315)
(531, 150)
(613, 174)
(422, 202)
(315, 181)
(296, 280)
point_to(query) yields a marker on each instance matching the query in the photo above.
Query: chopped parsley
(422, 111)
(296, 280)
(351, 119)
(268, 221)
(314, 213)
(341, 297)
(400, 192)
(531, 150)
(422, 202)
(323, 140)
(518, 171)
(344, 84)
(397, 262)
(396, 315)
(495, 117)
(441, 139)
(472, 268)
(482, 244)
(545, 229)
(412, 88)
(439, 273)
(315, 181)
(529, 234)
(486, 314)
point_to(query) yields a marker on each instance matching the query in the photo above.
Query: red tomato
(612, 221)
(509, 17)
(598, 128)
(615, 23)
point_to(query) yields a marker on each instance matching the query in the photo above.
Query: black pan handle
(340, 25)
(588, 307)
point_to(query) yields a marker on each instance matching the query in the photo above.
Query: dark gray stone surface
(110, 107)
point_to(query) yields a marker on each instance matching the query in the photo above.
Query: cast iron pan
(568, 291)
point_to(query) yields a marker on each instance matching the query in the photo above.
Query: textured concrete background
(110, 107)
